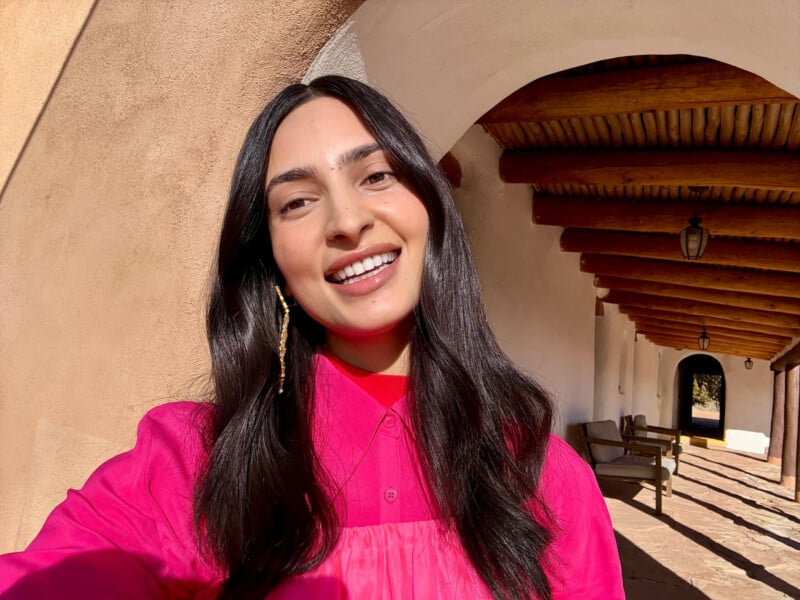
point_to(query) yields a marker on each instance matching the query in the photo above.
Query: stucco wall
(614, 365)
(108, 225)
(646, 399)
(540, 306)
(626, 370)
(35, 40)
(446, 63)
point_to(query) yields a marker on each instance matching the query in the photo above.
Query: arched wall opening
(445, 63)
(700, 396)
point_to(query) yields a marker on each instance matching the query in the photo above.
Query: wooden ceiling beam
(717, 342)
(743, 220)
(689, 273)
(754, 254)
(683, 344)
(737, 168)
(690, 342)
(788, 360)
(637, 312)
(703, 309)
(740, 299)
(665, 87)
(779, 342)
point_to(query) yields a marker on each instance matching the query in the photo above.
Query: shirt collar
(347, 419)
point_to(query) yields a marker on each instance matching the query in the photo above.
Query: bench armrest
(649, 449)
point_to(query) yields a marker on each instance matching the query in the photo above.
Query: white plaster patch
(746, 441)
(340, 56)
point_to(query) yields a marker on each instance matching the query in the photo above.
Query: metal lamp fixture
(703, 341)
(748, 363)
(694, 240)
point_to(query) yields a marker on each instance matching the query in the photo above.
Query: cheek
(286, 260)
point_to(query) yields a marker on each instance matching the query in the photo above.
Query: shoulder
(175, 433)
(129, 530)
(563, 464)
(178, 419)
(177, 414)
(567, 487)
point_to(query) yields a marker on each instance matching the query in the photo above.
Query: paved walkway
(728, 532)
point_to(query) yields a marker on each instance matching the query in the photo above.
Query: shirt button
(390, 422)
(390, 495)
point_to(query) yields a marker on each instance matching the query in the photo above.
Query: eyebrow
(299, 173)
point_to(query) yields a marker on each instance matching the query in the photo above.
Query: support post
(789, 456)
(793, 392)
(778, 407)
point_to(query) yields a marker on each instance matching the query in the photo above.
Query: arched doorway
(701, 396)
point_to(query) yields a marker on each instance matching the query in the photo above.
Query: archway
(701, 396)
(446, 63)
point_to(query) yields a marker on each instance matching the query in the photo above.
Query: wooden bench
(615, 458)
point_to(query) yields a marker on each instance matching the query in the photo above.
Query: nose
(349, 216)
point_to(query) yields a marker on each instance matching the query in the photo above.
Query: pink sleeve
(583, 562)
(128, 533)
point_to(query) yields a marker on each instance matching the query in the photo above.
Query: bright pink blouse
(128, 532)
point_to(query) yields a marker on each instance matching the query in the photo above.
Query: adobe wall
(108, 225)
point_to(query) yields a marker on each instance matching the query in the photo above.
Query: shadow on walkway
(719, 537)
(746, 472)
(647, 579)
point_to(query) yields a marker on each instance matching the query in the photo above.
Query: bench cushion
(636, 467)
(606, 430)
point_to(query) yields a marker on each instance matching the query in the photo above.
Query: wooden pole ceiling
(622, 153)
(655, 88)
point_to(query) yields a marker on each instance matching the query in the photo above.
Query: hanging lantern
(703, 341)
(694, 240)
(748, 363)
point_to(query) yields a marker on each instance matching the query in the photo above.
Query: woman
(368, 438)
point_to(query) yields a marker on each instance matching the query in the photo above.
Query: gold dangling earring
(284, 337)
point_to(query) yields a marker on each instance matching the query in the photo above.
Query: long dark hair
(263, 504)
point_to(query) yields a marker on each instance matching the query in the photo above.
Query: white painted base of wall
(746, 441)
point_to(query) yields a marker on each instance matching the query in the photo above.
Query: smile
(367, 267)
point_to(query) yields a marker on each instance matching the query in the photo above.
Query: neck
(388, 353)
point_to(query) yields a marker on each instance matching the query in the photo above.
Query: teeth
(354, 272)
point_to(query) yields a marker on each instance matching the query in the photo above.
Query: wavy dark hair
(262, 505)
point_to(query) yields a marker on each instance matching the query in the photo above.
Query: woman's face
(347, 235)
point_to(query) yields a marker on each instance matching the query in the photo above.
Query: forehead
(315, 134)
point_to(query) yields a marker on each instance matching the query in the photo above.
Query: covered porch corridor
(729, 531)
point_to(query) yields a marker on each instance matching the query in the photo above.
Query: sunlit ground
(729, 531)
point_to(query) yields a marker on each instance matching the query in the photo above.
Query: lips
(368, 266)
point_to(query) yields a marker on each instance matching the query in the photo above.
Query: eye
(378, 178)
(293, 205)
